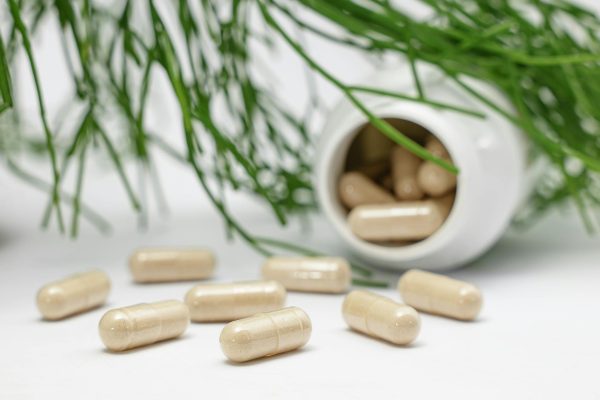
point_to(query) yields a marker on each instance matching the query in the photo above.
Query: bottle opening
(392, 197)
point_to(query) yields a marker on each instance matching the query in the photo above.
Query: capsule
(445, 203)
(142, 324)
(356, 189)
(435, 147)
(231, 301)
(309, 274)
(75, 294)
(404, 172)
(405, 221)
(438, 294)
(266, 334)
(374, 145)
(381, 317)
(435, 180)
(170, 265)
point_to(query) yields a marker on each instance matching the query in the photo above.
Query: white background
(537, 336)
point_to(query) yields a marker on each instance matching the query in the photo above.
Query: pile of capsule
(393, 197)
(259, 324)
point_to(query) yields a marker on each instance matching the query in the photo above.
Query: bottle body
(490, 153)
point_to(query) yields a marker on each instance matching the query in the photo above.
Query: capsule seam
(300, 318)
(277, 347)
(365, 317)
(130, 334)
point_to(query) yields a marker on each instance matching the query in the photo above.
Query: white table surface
(538, 335)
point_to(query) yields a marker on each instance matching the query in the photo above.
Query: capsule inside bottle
(435, 147)
(404, 174)
(229, 301)
(309, 274)
(143, 324)
(381, 317)
(422, 193)
(438, 294)
(171, 264)
(403, 221)
(266, 334)
(435, 180)
(369, 148)
(356, 189)
(73, 295)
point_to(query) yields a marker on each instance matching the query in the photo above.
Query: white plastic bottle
(490, 154)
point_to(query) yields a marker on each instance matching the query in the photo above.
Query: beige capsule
(374, 145)
(171, 264)
(231, 301)
(409, 220)
(438, 294)
(435, 180)
(356, 189)
(381, 317)
(435, 147)
(445, 203)
(309, 274)
(142, 324)
(404, 172)
(75, 294)
(266, 334)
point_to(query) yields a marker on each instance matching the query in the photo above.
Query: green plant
(543, 55)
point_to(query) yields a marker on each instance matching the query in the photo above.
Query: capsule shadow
(212, 323)
(75, 316)
(478, 320)
(413, 345)
(192, 282)
(315, 294)
(147, 347)
(268, 358)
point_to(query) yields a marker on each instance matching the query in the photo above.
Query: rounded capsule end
(265, 268)
(279, 292)
(434, 180)
(135, 265)
(406, 326)
(236, 342)
(306, 324)
(197, 303)
(52, 302)
(191, 297)
(115, 330)
(404, 281)
(470, 301)
(355, 221)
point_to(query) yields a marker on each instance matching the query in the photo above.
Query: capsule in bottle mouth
(405, 200)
